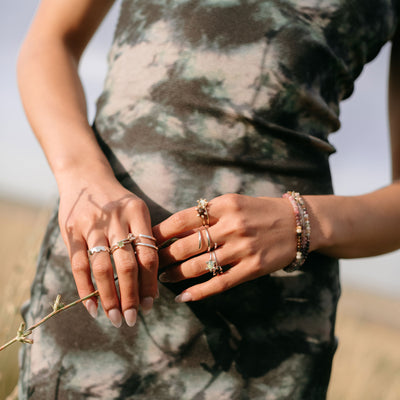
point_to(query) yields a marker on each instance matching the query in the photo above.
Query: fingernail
(183, 297)
(115, 317)
(91, 308)
(164, 277)
(130, 317)
(147, 305)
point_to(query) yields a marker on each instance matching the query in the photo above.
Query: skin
(255, 236)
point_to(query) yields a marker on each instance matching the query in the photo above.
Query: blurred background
(367, 364)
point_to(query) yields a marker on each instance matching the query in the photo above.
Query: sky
(361, 164)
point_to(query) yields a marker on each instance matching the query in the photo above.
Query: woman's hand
(254, 236)
(98, 211)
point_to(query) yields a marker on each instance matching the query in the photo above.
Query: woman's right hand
(95, 210)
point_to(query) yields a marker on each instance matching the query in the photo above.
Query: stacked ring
(98, 249)
(152, 246)
(209, 240)
(122, 243)
(202, 211)
(212, 264)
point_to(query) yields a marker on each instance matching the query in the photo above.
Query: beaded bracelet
(303, 230)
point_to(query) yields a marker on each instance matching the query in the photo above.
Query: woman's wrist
(84, 172)
(322, 234)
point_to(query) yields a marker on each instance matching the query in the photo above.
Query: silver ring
(152, 246)
(98, 249)
(209, 246)
(146, 237)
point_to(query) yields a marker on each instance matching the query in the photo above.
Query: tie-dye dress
(202, 98)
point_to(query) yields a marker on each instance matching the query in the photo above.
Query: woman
(228, 100)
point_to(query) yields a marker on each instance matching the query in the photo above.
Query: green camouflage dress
(205, 97)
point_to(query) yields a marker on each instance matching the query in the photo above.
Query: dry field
(366, 366)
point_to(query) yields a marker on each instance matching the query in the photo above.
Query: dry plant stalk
(58, 307)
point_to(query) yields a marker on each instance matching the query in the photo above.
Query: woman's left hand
(255, 236)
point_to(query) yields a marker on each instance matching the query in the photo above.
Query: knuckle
(79, 268)
(126, 267)
(177, 219)
(222, 284)
(101, 270)
(177, 248)
(233, 201)
(137, 205)
(148, 258)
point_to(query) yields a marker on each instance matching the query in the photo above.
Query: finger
(81, 272)
(147, 257)
(104, 276)
(189, 246)
(127, 271)
(181, 222)
(197, 266)
(234, 276)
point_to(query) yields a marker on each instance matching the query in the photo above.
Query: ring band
(146, 237)
(200, 240)
(122, 243)
(152, 246)
(208, 239)
(212, 264)
(98, 249)
(202, 211)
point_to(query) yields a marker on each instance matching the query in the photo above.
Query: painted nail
(147, 305)
(91, 307)
(115, 317)
(164, 277)
(183, 297)
(130, 317)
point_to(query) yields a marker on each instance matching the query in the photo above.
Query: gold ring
(122, 243)
(213, 266)
(202, 211)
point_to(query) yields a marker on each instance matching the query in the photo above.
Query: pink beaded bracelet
(303, 230)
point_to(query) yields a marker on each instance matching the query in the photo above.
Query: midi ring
(202, 211)
(146, 237)
(152, 246)
(98, 249)
(213, 266)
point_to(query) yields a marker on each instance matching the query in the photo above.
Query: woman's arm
(365, 225)
(255, 236)
(95, 210)
(394, 105)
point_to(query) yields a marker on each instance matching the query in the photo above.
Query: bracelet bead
(303, 230)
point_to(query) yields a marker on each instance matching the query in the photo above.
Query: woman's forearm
(356, 226)
(55, 104)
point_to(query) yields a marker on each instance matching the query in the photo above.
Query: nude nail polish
(130, 317)
(164, 277)
(183, 297)
(115, 317)
(91, 307)
(147, 305)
